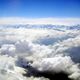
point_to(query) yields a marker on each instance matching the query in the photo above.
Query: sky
(40, 11)
(39, 8)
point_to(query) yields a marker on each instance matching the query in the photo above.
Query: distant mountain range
(43, 26)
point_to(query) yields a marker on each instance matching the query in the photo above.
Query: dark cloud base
(47, 74)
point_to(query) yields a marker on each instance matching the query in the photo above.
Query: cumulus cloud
(69, 47)
(56, 65)
(8, 50)
(8, 69)
(44, 49)
(24, 46)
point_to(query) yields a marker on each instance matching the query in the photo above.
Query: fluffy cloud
(8, 50)
(23, 46)
(45, 50)
(69, 47)
(8, 69)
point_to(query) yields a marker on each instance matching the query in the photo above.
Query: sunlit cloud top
(54, 21)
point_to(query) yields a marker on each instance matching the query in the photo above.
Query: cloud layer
(41, 49)
(54, 21)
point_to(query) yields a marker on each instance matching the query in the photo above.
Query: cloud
(54, 21)
(48, 50)
(58, 64)
(24, 46)
(8, 69)
(69, 47)
(8, 50)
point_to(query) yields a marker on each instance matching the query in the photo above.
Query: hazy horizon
(53, 21)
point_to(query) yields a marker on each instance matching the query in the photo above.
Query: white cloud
(60, 50)
(55, 21)
(8, 69)
(8, 50)
(58, 64)
(24, 46)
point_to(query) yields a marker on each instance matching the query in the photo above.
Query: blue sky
(40, 8)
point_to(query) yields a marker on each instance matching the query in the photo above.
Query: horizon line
(47, 20)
